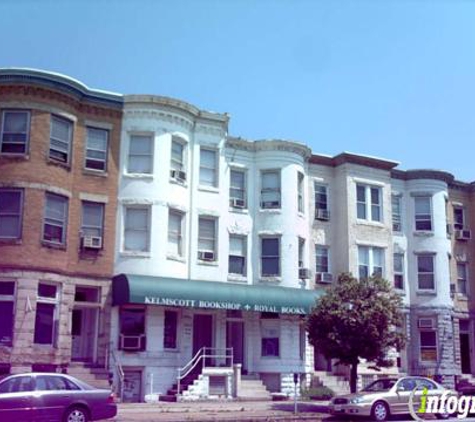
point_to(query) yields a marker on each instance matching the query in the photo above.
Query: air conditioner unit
(463, 234)
(449, 229)
(304, 273)
(92, 242)
(130, 342)
(237, 203)
(321, 214)
(323, 277)
(178, 175)
(270, 204)
(453, 288)
(206, 255)
(425, 323)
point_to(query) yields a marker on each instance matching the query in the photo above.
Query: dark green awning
(139, 289)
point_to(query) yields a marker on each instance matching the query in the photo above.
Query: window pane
(398, 263)
(6, 327)
(15, 122)
(47, 290)
(422, 205)
(140, 154)
(132, 321)
(44, 323)
(97, 139)
(425, 264)
(7, 288)
(140, 145)
(321, 254)
(321, 197)
(136, 229)
(237, 264)
(208, 163)
(170, 330)
(92, 218)
(270, 247)
(270, 180)
(10, 202)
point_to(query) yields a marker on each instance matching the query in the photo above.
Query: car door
(16, 398)
(404, 388)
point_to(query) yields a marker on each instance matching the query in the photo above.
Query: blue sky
(388, 78)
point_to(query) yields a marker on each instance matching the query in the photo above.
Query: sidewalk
(222, 411)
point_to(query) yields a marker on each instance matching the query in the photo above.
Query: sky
(388, 78)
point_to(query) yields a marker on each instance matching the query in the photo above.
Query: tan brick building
(59, 149)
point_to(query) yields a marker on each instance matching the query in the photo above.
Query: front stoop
(253, 389)
(337, 383)
(93, 375)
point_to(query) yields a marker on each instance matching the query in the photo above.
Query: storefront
(159, 324)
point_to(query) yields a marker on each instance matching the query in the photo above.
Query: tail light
(111, 398)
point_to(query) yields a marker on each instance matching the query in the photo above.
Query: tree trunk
(353, 377)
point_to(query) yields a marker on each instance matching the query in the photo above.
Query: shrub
(318, 393)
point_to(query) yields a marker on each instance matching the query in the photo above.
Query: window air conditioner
(304, 273)
(425, 323)
(321, 214)
(130, 342)
(206, 255)
(178, 175)
(463, 234)
(237, 203)
(323, 277)
(92, 242)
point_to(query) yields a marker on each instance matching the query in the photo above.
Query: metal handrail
(201, 355)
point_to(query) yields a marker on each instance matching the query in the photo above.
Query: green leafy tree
(357, 319)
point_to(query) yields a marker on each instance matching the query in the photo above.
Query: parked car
(53, 397)
(385, 397)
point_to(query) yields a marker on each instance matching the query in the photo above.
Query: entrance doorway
(132, 386)
(84, 334)
(465, 353)
(320, 363)
(235, 340)
(202, 331)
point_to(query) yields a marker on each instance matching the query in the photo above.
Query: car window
(17, 384)
(407, 384)
(54, 383)
(380, 385)
(422, 382)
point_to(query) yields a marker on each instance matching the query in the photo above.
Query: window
(237, 189)
(17, 384)
(459, 219)
(321, 258)
(54, 383)
(137, 229)
(396, 213)
(55, 219)
(15, 131)
(321, 202)
(270, 256)
(237, 255)
(7, 302)
(300, 204)
(428, 343)
(60, 139)
(140, 154)
(132, 329)
(462, 278)
(170, 330)
(208, 167)
(270, 335)
(92, 219)
(270, 189)
(425, 272)
(46, 324)
(301, 252)
(370, 261)
(368, 203)
(11, 211)
(175, 232)
(96, 149)
(177, 155)
(423, 214)
(302, 340)
(398, 261)
(207, 238)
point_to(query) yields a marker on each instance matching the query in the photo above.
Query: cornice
(152, 114)
(351, 158)
(269, 145)
(441, 175)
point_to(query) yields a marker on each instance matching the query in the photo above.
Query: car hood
(364, 395)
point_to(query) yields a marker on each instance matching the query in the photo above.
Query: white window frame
(20, 214)
(56, 314)
(277, 191)
(242, 256)
(397, 272)
(146, 230)
(419, 273)
(202, 239)
(178, 165)
(367, 205)
(459, 224)
(279, 257)
(98, 229)
(321, 190)
(321, 257)
(267, 324)
(462, 279)
(48, 220)
(131, 155)
(371, 260)
(421, 347)
(301, 252)
(178, 235)
(214, 169)
(96, 150)
(26, 134)
(300, 192)
(67, 142)
(241, 189)
(396, 205)
(421, 217)
(9, 299)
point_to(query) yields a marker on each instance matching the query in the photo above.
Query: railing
(208, 357)
(115, 361)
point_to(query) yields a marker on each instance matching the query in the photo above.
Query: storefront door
(202, 331)
(235, 340)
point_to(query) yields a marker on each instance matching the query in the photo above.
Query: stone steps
(253, 389)
(95, 376)
(337, 383)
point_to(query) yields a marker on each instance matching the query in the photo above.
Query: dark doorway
(202, 332)
(235, 340)
(465, 353)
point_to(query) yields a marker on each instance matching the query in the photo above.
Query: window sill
(239, 210)
(177, 258)
(52, 245)
(270, 280)
(270, 357)
(52, 162)
(211, 189)
(426, 292)
(9, 241)
(207, 263)
(178, 183)
(271, 210)
(135, 254)
(147, 176)
(423, 233)
(401, 292)
(237, 278)
(14, 157)
(378, 224)
(97, 173)
(300, 214)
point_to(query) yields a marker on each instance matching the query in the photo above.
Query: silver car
(53, 397)
(385, 397)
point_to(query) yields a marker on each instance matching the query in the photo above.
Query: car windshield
(380, 385)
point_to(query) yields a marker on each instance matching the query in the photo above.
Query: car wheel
(442, 415)
(76, 414)
(380, 411)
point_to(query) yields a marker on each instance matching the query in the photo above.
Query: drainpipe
(191, 152)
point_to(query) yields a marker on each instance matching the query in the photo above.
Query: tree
(357, 319)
